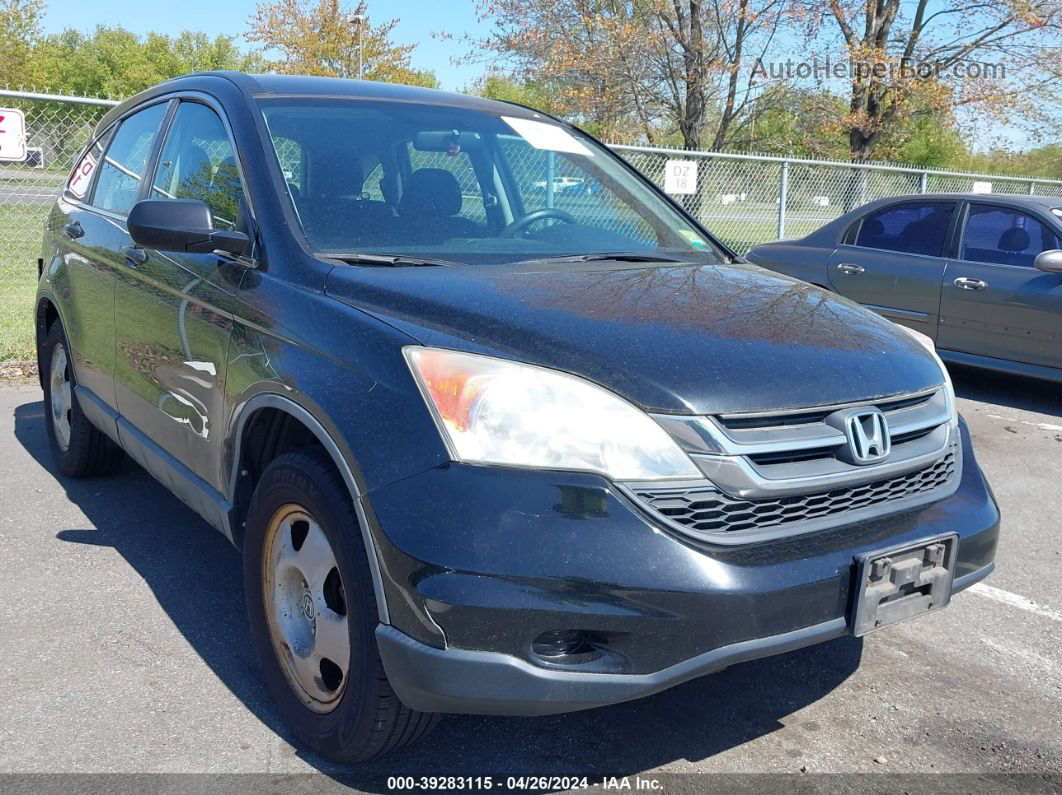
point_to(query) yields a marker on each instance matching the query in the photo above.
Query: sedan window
(1005, 236)
(911, 227)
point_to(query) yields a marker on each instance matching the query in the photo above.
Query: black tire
(87, 451)
(368, 719)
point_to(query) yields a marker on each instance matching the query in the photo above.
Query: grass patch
(21, 231)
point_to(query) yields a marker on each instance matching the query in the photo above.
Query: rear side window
(198, 162)
(1005, 236)
(81, 177)
(123, 166)
(911, 228)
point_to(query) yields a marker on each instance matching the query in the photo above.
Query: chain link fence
(742, 199)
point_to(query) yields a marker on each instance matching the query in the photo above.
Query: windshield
(370, 177)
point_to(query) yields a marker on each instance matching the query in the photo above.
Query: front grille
(805, 417)
(703, 511)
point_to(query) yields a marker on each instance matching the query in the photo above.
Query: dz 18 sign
(680, 177)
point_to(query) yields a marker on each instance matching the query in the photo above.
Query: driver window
(198, 162)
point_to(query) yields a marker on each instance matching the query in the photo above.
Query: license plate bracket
(903, 582)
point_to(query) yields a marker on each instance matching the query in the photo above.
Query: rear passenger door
(994, 301)
(173, 311)
(894, 261)
(92, 237)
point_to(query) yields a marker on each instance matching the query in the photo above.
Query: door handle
(134, 255)
(850, 269)
(73, 230)
(966, 283)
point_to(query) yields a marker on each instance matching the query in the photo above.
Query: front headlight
(949, 389)
(493, 411)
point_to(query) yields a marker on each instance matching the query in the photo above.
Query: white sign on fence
(680, 177)
(12, 134)
(981, 187)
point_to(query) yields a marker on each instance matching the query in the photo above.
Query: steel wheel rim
(305, 606)
(61, 396)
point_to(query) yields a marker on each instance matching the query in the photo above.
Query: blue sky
(418, 20)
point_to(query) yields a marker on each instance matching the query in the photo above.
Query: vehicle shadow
(168, 545)
(1002, 389)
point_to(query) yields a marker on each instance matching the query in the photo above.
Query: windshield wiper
(617, 256)
(391, 260)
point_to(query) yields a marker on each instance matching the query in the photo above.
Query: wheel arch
(46, 313)
(287, 424)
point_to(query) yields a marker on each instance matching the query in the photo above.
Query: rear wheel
(78, 447)
(313, 613)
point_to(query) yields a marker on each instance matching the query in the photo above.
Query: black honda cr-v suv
(498, 427)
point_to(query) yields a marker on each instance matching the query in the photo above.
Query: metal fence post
(1032, 188)
(923, 182)
(783, 196)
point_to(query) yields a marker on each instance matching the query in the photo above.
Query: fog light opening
(561, 643)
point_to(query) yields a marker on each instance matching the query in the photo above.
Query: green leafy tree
(321, 37)
(20, 30)
(112, 61)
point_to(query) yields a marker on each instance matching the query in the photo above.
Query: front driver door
(896, 260)
(173, 311)
(994, 301)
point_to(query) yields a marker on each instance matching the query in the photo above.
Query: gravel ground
(124, 648)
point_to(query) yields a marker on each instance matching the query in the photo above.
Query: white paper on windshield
(551, 137)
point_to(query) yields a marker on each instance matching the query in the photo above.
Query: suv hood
(680, 339)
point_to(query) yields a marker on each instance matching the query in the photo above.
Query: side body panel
(79, 273)
(905, 288)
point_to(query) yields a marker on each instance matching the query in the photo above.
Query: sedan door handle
(134, 255)
(850, 269)
(73, 230)
(966, 283)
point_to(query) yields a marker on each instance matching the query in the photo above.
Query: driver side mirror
(182, 225)
(1049, 261)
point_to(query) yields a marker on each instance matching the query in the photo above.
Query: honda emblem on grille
(867, 432)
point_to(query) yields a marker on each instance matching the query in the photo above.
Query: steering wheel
(520, 224)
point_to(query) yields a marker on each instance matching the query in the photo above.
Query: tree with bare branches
(998, 58)
(639, 68)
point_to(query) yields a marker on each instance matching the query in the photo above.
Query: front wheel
(313, 613)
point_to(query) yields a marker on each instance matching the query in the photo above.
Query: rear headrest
(1014, 239)
(431, 191)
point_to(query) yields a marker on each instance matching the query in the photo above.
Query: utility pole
(360, 20)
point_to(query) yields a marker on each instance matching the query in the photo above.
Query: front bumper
(488, 683)
(485, 560)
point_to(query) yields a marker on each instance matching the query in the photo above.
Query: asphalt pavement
(125, 648)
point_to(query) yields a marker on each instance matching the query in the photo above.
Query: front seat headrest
(341, 175)
(431, 191)
(1014, 239)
